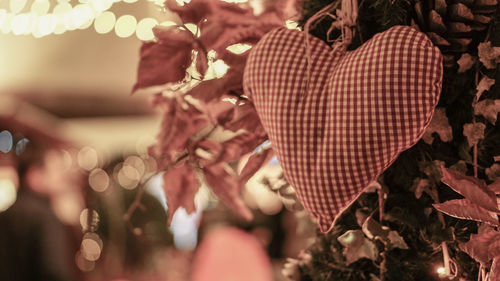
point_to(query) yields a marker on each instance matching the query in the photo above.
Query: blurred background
(74, 154)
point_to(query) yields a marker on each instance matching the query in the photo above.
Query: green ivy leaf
(439, 124)
(474, 133)
(489, 109)
(357, 246)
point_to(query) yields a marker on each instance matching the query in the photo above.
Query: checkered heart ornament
(339, 122)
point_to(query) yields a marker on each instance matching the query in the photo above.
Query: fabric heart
(336, 134)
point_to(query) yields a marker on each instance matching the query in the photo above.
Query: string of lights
(40, 18)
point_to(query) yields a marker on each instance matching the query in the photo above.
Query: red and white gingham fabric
(361, 109)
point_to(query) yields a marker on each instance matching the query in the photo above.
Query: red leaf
(495, 269)
(471, 188)
(225, 186)
(193, 12)
(478, 246)
(440, 125)
(180, 122)
(254, 163)
(165, 61)
(240, 145)
(246, 118)
(495, 186)
(464, 209)
(209, 90)
(180, 187)
(474, 133)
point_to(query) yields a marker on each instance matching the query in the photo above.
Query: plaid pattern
(362, 109)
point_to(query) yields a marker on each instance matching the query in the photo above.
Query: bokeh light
(87, 158)
(16, 6)
(89, 224)
(20, 24)
(91, 246)
(125, 26)
(40, 7)
(128, 177)
(239, 48)
(46, 24)
(82, 263)
(6, 25)
(8, 193)
(99, 180)
(6, 141)
(21, 145)
(105, 22)
(101, 5)
(145, 29)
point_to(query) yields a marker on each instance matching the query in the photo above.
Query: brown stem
(136, 204)
(381, 202)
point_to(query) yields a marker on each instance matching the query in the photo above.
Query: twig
(381, 203)
(140, 192)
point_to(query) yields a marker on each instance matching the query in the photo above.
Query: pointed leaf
(495, 269)
(193, 12)
(464, 209)
(180, 187)
(488, 55)
(495, 186)
(478, 246)
(225, 186)
(473, 189)
(440, 125)
(484, 85)
(396, 241)
(165, 61)
(240, 145)
(254, 163)
(209, 90)
(356, 246)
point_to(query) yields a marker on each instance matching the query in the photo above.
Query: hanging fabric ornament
(337, 119)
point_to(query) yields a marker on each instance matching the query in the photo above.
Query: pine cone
(452, 24)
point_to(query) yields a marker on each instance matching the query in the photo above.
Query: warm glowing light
(87, 158)
(62, 13)
(40, 7)
(81, 15)
(128, 177)
(441, 270)
(239, 48)
(137, 163)
(290, 24)
(182, 2)
(6, 141)
(105, 22)
(129, 1)
(193, 28)
(84, 220)
(6, 25)
(91, 247)
(168, 23)
(20, 24)
(220, 68)
(125, 26)
(82, 263)
(99, 180)
(145, 29)
(8, 193)
(17, 6)
(101, 5)
(45, 25)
